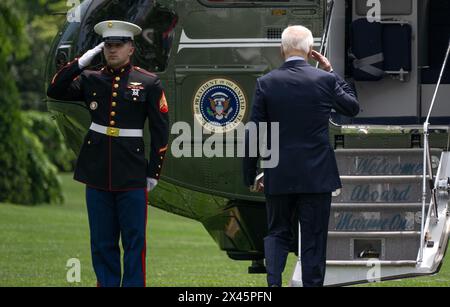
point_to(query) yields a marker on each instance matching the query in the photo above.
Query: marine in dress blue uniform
(112, 161)
(300, 98)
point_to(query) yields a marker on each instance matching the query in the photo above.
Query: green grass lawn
(36, 242)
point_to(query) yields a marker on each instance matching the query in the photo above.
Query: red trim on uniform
(117, 71)
(143, 71)
(171, 28)
(144, 251)
(164, 149)
(64, 67)
(128, 67)
(162, 103)
(54, 77)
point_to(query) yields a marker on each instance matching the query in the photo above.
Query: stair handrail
(325, 39)
(325, 36)
(427, 161)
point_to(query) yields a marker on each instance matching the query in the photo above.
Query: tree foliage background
(28, 170)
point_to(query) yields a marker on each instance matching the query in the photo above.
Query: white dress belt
(116, 132)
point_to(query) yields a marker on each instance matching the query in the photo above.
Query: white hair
(297, 38)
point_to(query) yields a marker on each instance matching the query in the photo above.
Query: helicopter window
(153, 46)
(438, 40)
(65, 50)
(388, 7)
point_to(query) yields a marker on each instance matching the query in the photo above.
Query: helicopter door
(435, 35)
(382, 59)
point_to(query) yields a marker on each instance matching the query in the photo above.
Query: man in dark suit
(300, 98)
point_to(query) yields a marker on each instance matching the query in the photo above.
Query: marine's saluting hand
(87, 58)
(324, 63)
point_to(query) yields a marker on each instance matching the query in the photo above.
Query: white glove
(151, 184)
(87, 58)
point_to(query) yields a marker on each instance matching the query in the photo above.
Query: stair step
(375, 217)
(372, 162)
(376, 206)
(378, 211)
(384, 151)
(391, 246)
(369, 263)
(380, 189)
(373, 234)
(380, 178)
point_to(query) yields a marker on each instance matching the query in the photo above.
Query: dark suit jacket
(300, 98)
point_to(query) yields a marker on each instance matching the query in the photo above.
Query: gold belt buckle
(113, 131)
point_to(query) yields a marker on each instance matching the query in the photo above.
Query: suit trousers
(313, 212)
(115, 215)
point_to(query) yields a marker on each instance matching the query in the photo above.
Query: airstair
(376, 219)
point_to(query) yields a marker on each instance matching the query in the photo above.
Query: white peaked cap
(117, 28)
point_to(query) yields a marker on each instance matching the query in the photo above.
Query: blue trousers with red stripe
(115, 215)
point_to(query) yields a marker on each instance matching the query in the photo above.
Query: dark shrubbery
(29, 159)
(55, 148)
(45, 186)
(27, 175)
(14, 186)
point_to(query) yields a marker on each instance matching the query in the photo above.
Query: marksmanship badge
(93, 105)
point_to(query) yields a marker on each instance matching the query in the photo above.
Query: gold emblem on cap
(110, 24)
